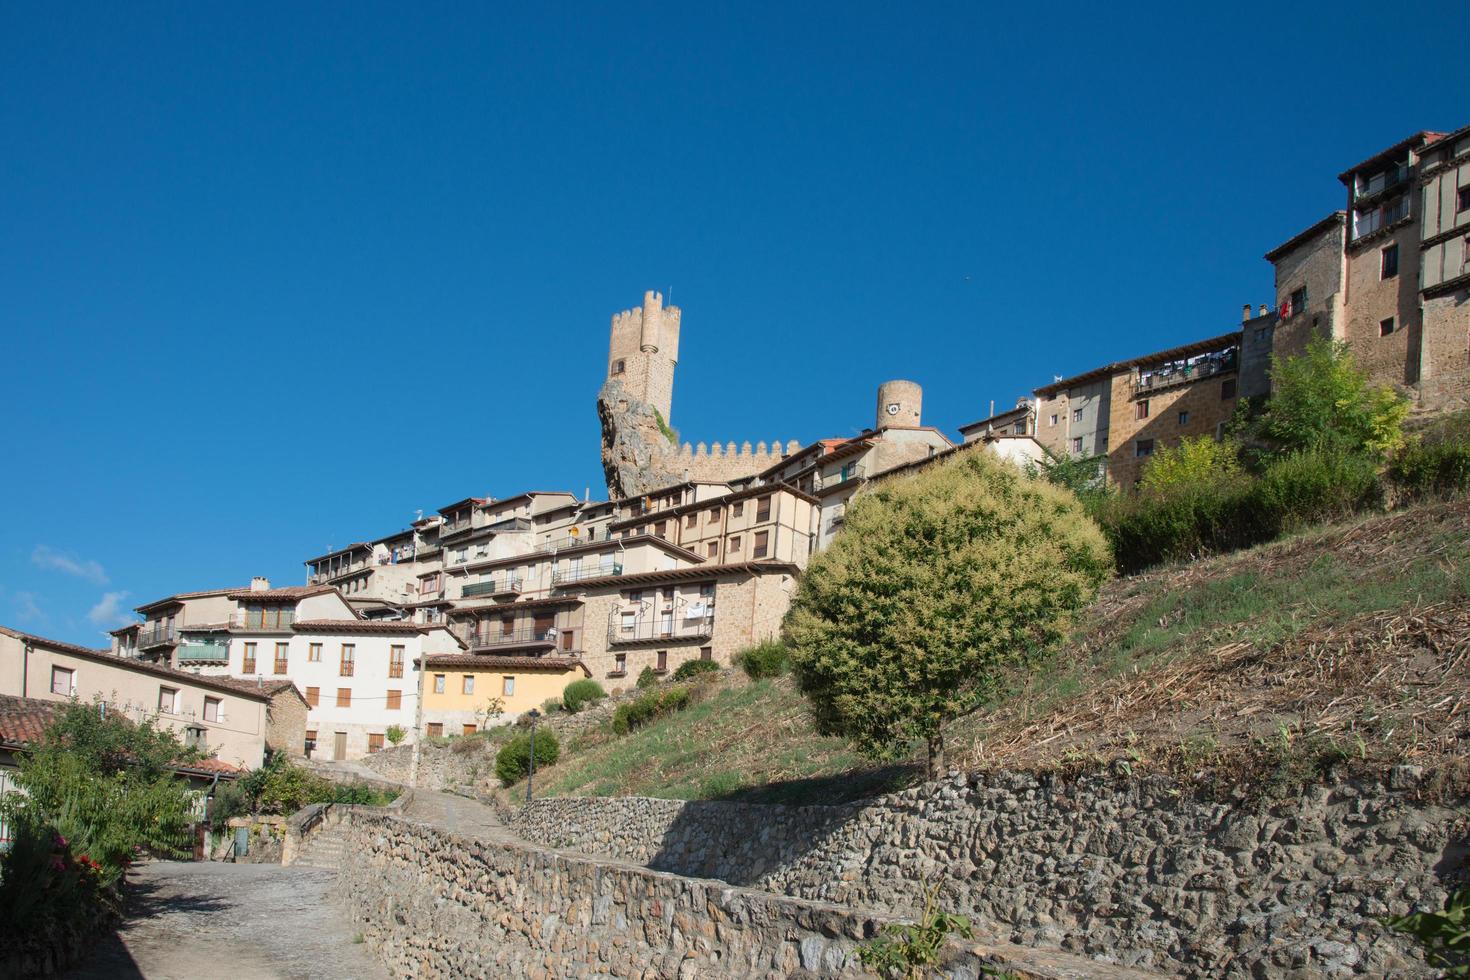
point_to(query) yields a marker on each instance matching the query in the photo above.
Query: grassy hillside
(1349, 645)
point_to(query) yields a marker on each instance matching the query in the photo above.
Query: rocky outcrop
(1138, 871)
(636, 455)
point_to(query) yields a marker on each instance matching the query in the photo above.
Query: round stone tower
(900, 404)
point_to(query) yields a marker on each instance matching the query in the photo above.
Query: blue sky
(272, 277)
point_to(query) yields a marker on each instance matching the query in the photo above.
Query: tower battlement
(643, 350)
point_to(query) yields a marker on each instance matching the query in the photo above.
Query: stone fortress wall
(1139, 872)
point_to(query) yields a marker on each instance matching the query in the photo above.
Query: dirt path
(241, 921)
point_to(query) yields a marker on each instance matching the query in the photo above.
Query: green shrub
(693, 668)
(647, 677)
(513, 761)
(1195, 462)
(768, 659)
(1321, 400)
(1429, 469)
(552, 706)
(1311, 487)
(395, 734)
(647, 707)
(579, 694)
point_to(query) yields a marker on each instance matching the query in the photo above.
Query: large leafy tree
(939, 584)
(1322, 401)
(104, 784)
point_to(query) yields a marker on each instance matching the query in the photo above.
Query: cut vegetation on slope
(1348, 645)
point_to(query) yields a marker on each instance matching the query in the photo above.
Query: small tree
(1084, 476)
(104, 783)
(395, 734)
(939, 583)
(1200, 461)
(1321, 400)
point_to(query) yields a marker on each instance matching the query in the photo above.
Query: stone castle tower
(640, 451)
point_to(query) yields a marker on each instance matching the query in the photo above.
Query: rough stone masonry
(1135, 871)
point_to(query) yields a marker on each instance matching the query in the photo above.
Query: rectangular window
(349, 650)
(1140, 409)
(1298, 301)
(313, 696)
(706, 653)
(1464, 198)
(1077, 444)
(620, 663)
(762, 542)
(713, 516)
(508, 686)
(734, 544)
(1262, 332)
(467, 730)
(1388, 262)
(690, 520)
(663, 661)
(395, 700)
(737, 508)
(661, 529)
(314, 653)
(467, 684)
(438, 683)
(1054, 418)
(712, 549)
(1183, 418)
(763, 509)
(618, 366)
(248, 667)
(1385, 327)
(282, 657)
(310, 746)
(435, 729)
(395, 661)
(1076, 415)
(63, 681)
(168, 700)
(344, 697)
(375, 743)
(211, 709)
(1227, 389)
(1144, 447)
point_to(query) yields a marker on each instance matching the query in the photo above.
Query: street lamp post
(531, 773)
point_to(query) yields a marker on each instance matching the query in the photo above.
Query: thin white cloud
(26, 610)
(109, 610)
(46, 556)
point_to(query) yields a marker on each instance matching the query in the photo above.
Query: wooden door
(339, 745)
(543, 623)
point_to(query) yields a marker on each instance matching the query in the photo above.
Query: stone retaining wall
(434, 904)
(1137, 871)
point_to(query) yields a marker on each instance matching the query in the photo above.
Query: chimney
(1245, 314)
(1264, 309)
(260, 584)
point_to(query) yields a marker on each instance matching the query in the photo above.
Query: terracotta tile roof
(358, 626)
(228, 684)
(180, 596)
(285, 592)
(22, 720)
(491, 661)
(210, 766)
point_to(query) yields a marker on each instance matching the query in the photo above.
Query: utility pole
(418, 722)
(531, 773)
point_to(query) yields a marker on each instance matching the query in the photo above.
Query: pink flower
(57, 864)
(60, 841)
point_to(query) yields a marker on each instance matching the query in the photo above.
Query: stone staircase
(323, 849)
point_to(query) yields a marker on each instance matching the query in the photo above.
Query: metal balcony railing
(662, 629)
(1381, 182)
(157, 636)
(203, 653)
(1178, 374)
(573, 540)
(500, 586)
(489, 639)
(855, 472)
(569, 575)
(346, 669)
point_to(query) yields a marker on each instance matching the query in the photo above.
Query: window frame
(467, 684)
(344, 697)
(314, 653)
(507, 686)
(1388, 255)
(1140, 410)
(441, 682)
(1387, 327)
(761, 546)
(1138, 448)
(71, 680)
(173, 700)
(313, 697)
(218, 704)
